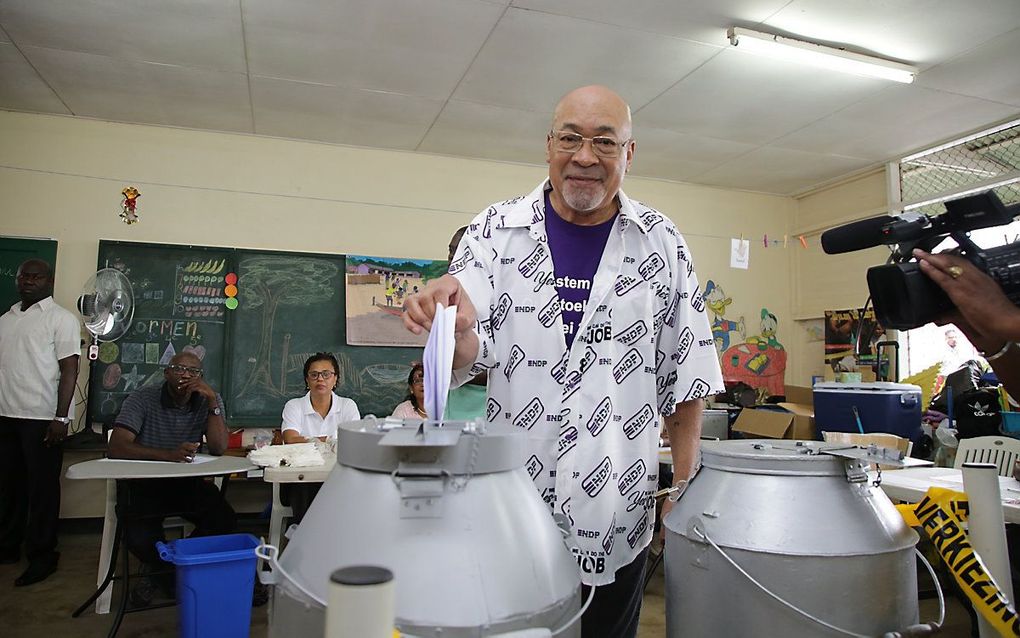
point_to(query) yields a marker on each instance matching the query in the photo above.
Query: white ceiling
(479, 78)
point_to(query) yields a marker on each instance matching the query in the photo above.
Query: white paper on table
(740, 253)
(438, 361)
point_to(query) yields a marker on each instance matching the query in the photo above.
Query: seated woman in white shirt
(320, 411)
(317, 414)
(414, 406)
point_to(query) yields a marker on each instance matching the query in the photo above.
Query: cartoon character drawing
(716, 300)
(767, 338)
(760, 361)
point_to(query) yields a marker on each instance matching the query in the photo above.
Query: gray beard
(583, 202)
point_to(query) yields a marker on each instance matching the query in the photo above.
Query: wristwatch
(216, 411)
(63, 419)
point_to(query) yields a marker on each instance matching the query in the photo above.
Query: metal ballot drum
(452, 513)
(791, 518)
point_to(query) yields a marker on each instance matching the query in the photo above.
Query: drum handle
(269, 553)
(565, 626)
(913, 630)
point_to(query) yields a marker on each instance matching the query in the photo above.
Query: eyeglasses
(31, 276)
(176, 368)
(325, 375)
(571, 142)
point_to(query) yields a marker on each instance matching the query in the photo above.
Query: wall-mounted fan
(106, 305)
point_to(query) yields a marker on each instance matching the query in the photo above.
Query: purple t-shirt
(576, 253)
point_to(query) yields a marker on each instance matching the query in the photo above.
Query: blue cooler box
(894, 408)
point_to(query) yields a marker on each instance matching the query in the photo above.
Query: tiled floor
(44, 610)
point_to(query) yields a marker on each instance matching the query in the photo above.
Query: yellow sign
(941, 514)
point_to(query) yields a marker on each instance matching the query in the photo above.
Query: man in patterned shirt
(591, 324)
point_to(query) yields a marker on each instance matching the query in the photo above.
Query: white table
(279, 475)
(912, 484)
(113, 469)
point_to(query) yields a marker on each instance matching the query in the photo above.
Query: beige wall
(831, 282)
(61, 177)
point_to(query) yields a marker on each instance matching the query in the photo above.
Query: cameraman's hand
(991, 316)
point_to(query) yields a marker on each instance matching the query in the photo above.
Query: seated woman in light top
(320, 411)
(414, 406)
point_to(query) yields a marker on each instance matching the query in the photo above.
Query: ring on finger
(955, 271)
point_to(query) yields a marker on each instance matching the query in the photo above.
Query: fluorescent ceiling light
(776, 46)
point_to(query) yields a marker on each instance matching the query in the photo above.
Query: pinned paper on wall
(740, 253)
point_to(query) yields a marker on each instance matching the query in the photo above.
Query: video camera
(904, 297)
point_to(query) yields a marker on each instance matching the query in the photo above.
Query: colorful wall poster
(851, 339)
(376, 289)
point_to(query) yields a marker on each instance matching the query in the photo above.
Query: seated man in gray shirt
(166, 423)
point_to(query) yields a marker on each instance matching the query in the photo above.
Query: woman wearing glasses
(320, 411)
(414, 406)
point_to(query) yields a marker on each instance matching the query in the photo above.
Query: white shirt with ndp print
(591, 413)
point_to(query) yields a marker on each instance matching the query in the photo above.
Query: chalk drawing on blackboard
(210, 266)
(376, 289)
(111, 376)
(132, 379)
(267, 283)
(387, 373)
(132, 352)
(168, 353)
(198, 351)
(108, 351)
(109, 405)
(152, 353)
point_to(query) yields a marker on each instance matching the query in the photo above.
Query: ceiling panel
(923, 32)
(417, 48)
(490, 132)
(778, 170)
(348, 116)
(895, 122)
(479, 78)
(21, 88)
(678, 156)
(108, 88)
(532, 59)
(751, 99)
(988, 71)
(690, 19)
(199, 33)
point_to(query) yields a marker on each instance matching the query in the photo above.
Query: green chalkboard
(290, 305)
(15, 250)
(178, 292)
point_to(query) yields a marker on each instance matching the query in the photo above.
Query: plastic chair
(998, 450)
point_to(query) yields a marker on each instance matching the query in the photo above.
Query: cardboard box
(797, 422)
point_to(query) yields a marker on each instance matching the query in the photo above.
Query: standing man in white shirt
(39, 347)
(591, 324)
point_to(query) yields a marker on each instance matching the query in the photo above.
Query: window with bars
(986, 160)
(989, 159)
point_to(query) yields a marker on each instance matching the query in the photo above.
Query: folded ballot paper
(438, 361)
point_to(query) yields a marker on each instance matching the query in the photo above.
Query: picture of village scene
(376, 289)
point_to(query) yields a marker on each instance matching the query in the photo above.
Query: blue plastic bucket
(215, 578)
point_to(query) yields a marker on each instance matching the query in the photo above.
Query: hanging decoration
(128, 206)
